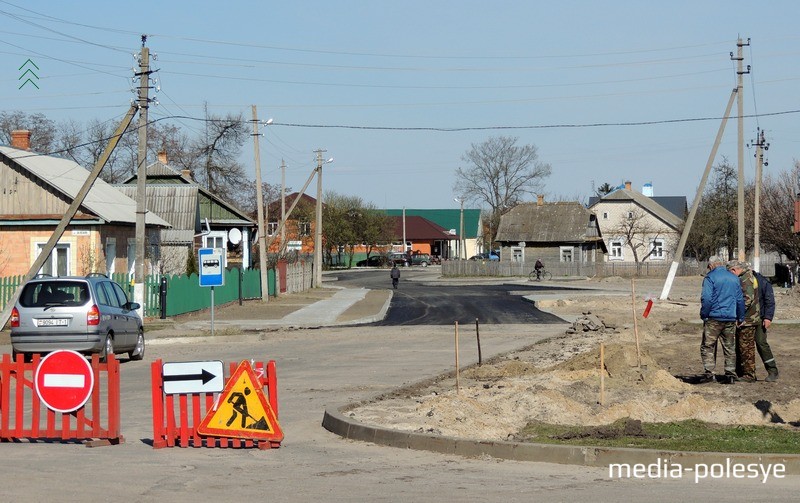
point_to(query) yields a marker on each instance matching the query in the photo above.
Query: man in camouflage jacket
(746, 331)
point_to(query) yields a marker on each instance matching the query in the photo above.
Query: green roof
(447, 218)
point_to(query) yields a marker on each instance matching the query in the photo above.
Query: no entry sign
(64, 380)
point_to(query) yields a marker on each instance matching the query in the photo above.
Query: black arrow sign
(205, 376)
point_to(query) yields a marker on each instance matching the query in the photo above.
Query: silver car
(88, 314)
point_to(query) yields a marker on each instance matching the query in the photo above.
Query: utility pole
(687, 227)
(262, 236)
(761, 146)
(740, 112)
(141, 174)
(283, 205)
(318, 224)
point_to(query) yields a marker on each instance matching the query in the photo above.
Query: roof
(67, 177)
(177, 204)
(648, 203)
(418, 229)
(561, 222)
(274, 208)
(676, 205)
(448, 218)
(163, 175)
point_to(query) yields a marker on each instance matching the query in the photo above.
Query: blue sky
(518, 68)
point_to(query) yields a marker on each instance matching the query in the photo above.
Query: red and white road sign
(64, 380)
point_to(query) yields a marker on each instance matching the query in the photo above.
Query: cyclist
(538, 267)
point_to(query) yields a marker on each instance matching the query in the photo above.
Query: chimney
(627, 185)
(540, 200)
(21, 139)
(186, 173)
(162, 157)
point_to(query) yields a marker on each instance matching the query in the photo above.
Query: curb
(335, 421)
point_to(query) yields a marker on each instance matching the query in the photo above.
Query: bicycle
(540, 275)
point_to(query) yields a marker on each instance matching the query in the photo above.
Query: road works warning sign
(242, 410)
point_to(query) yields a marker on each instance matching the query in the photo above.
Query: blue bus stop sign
(212, 266)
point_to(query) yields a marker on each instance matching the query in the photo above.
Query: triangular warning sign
(242, 410)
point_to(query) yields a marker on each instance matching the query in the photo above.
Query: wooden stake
(635, 323)
(478, 335)
(602, 374)
(458, 385)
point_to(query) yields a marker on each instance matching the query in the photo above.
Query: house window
(657, 249)
(566, 253)
(111, 254)
(305, 229)
(615, 250)
(57, 264)
(216, 239)
(630, 215)
(605, 215)
(272, 228)
(517, 255)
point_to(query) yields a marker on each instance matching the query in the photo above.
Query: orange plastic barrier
(23, 416)
(176, 417)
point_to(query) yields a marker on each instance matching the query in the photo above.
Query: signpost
(193, 377)
(64, 381)
(212, 272)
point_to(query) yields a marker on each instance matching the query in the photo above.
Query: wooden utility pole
(141, 174)
(740, 112)
(761, 146)
(262, 236)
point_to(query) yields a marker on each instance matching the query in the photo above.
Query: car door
(128, 317)
(118, 322)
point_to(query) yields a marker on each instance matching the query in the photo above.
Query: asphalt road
(417, 302)
(317, 369)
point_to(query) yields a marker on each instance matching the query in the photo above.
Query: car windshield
(54, 293)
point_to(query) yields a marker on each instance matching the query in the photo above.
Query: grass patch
(691, 435)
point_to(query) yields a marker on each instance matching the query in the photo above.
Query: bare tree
(219, 150)
(777, 214)
(638, 231)
(500, 174)
(43, 130)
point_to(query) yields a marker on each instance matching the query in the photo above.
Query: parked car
(373, 261)
(89, 314)
(400, 259)
(485, 256)
(422, 259)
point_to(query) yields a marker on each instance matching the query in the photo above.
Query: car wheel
(424, 264)
(108, 348)
(26, 357)
(138, 351)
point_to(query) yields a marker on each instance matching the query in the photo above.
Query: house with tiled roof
(447, 246)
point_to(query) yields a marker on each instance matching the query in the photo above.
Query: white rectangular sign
(193, 377)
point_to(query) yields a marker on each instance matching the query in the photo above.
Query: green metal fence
(184, 293)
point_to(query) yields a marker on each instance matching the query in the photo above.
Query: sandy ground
(558, 381)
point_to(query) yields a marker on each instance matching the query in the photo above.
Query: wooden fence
(463, 268)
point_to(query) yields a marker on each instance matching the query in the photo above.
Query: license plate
(53, 322)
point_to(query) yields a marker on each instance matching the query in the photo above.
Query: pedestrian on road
(746, 330)
(395, 274)
(721, 307)
(767, 302)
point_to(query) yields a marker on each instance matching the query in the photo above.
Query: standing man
(766, 298)
(746, 331)
(395, 274)
(721, 307)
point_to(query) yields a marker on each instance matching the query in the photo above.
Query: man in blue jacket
(767, 297)
(721, 308)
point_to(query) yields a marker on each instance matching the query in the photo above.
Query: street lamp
(461, 241)
(318, 225)
(262, 234)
